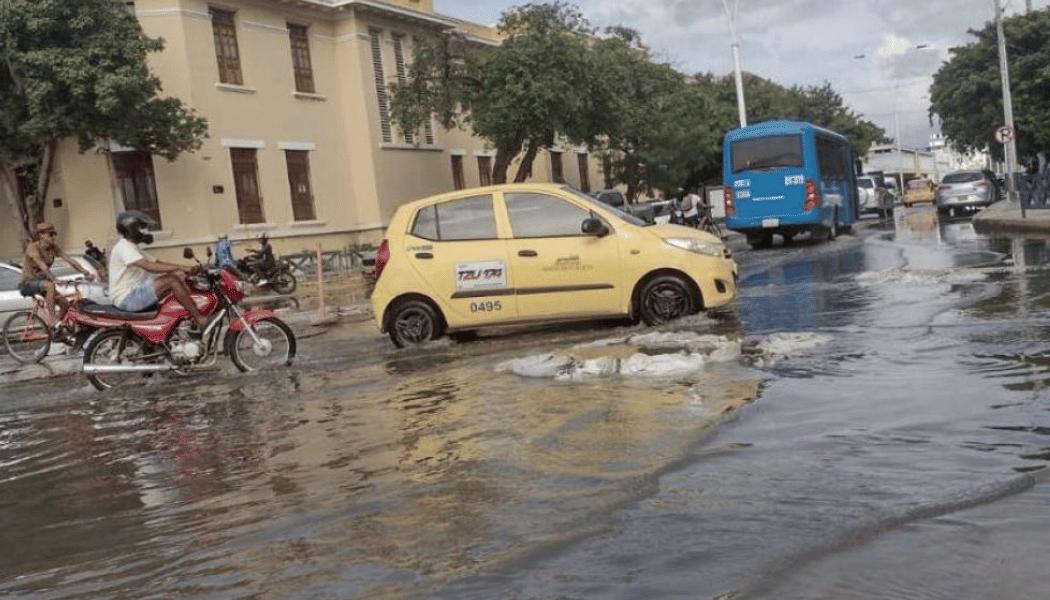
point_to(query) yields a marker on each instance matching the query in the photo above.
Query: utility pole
(731, 15)
(900, 152)
(1010, 147)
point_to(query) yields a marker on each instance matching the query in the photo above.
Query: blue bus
(787, 178)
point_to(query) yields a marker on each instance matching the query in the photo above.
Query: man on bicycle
(37, 278)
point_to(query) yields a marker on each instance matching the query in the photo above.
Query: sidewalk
(1005, 217)
(305, 324)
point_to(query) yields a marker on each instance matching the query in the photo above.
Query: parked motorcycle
(263, 273)
(161, 340)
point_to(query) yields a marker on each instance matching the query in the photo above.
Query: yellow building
(301, 145)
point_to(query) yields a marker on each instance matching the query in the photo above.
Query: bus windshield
(767, 153)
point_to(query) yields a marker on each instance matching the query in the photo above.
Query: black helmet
(132, 223)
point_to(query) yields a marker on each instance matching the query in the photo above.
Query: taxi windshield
(624, 216)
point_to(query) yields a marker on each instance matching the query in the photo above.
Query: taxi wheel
(414, 322)
(666, 298)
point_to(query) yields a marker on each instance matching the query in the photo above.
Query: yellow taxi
(527, 253)
(919, 190)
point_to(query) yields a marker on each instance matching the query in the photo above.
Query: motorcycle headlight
(697, 246)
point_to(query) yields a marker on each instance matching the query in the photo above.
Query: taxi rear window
(464, 219)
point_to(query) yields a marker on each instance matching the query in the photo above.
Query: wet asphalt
(869, 420)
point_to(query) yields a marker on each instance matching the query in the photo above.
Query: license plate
(770, 223)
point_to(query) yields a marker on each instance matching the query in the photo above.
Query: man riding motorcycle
(136, 280)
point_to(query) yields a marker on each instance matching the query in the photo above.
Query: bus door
(835, 178)
(768, 177)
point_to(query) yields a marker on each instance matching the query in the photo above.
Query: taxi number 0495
(476, 307)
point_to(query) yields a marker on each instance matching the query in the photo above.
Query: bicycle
(28, 336)
(707, 223)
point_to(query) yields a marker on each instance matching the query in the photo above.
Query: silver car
(966, 190)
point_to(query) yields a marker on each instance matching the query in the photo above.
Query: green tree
(521, 96)
(967, 96)
(78, 70)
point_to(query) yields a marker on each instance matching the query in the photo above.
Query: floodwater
(870, 420)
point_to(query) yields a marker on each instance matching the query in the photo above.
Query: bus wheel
(760, 240)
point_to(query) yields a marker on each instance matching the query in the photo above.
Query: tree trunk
(10, 188)
(44, 170)
(504, 156)
(525, 168)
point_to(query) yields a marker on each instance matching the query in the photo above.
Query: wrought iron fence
(340, 262)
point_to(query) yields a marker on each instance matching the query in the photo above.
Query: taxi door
(456, 248)
(559, 271)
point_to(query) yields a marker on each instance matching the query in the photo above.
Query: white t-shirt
(123, 277)
(691, 205)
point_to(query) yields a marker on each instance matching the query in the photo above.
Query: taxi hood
(680, 231)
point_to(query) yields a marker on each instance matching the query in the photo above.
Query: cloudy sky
(802, 42)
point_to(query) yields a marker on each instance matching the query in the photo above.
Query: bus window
(830, 156)
(773, 152)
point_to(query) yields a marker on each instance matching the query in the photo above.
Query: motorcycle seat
(112, 312)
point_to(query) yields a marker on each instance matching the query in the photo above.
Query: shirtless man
(37, 278)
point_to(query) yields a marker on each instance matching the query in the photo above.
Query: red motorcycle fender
(252, 317)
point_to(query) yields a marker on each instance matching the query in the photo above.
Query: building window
(585, 173)
(133, 172)
(246, 185)
(226, 53)
(457, 172)
(399, 63)
(301, 64)
(557, 176)
(485, 170)
(299, 181)
(381, 96)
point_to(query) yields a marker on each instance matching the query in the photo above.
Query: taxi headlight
(697, 246)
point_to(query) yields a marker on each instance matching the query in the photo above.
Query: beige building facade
(296, 93)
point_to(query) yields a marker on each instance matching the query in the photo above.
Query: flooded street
(869, 420)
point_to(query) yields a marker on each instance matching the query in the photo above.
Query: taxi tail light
(727, 194)
(812, 196)
(382, 257)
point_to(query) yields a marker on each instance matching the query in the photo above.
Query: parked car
(532, 253)
(873, 197)
(919, 190)
(967, 190)
(616, 199)
(661, 211)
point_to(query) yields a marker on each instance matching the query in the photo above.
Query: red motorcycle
(160, 340)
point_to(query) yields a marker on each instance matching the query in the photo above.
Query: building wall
(357, 179)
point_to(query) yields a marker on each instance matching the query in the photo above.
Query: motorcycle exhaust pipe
(114, 369)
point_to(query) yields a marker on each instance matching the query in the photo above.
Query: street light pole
(1010, 147)
(738, 72)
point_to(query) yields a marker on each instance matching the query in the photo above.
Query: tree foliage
(556, 79)
(78, 70)
(967, 95)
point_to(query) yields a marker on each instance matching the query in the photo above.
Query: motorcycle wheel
(27, 337)
(284, 282)
(277, 350)
(105, 349)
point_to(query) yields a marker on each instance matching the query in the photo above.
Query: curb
(1005, 217)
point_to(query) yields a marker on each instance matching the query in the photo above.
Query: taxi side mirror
(595, 227)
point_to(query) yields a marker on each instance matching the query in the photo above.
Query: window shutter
(399, 63)
(227, 54)
(380, 78)
(301, 63)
